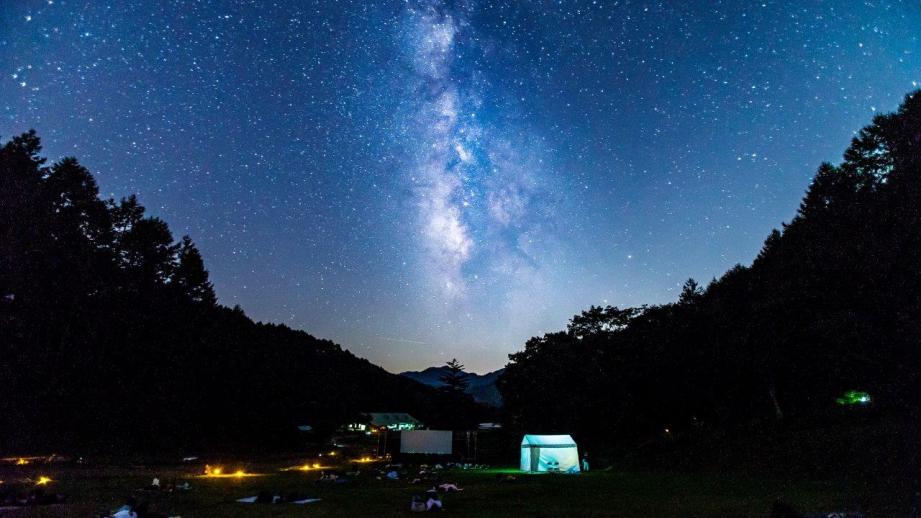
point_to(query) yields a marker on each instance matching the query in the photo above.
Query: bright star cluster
(421, 179)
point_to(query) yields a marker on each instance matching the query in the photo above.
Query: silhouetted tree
(455, 379)
(191, 276)
(691, 292)
(599, 319)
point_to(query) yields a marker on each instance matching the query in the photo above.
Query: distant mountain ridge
(482, 386)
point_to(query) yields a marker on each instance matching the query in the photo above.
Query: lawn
(644, 494)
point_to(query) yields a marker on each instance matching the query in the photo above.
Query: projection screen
(426, 441)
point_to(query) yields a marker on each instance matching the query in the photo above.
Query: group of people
(432, 500)
(278, 497)
(27, 494)
(132, 508)
(432, 477)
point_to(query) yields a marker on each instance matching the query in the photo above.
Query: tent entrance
(553, 453)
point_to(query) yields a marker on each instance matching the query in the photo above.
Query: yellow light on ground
(43, 480)
(22, 461)
(218, 472)
(306, 467)
(236, 474)
(364, 460)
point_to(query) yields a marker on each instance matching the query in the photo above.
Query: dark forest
(112, 337)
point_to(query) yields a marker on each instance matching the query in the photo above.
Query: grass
(640, 493)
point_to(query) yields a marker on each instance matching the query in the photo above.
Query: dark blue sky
(422, 180)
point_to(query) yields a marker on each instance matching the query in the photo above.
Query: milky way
(473, 187)
(420, 180)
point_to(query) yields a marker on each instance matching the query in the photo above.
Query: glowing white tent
(541, 453)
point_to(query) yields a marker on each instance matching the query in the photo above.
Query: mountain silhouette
(482, 386)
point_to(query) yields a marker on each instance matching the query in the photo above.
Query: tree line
(111, 337)
(831, 303)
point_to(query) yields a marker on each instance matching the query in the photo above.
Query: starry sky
(422, 180)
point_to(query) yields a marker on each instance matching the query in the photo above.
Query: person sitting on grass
(450, 487)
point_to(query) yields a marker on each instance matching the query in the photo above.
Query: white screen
(426, 441)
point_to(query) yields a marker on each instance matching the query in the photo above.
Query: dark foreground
(600, 493)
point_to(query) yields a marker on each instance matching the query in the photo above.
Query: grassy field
(645, 494)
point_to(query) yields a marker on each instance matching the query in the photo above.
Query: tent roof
(391, 418)
(548, 440)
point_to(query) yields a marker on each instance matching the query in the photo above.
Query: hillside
(829, 305)
(112, 337)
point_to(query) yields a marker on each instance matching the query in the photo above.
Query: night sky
(419, 180)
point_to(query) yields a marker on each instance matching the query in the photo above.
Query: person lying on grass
(331, 477)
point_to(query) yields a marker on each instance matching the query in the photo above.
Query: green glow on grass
(854, 397)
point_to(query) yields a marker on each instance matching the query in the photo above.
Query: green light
(854, 397)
